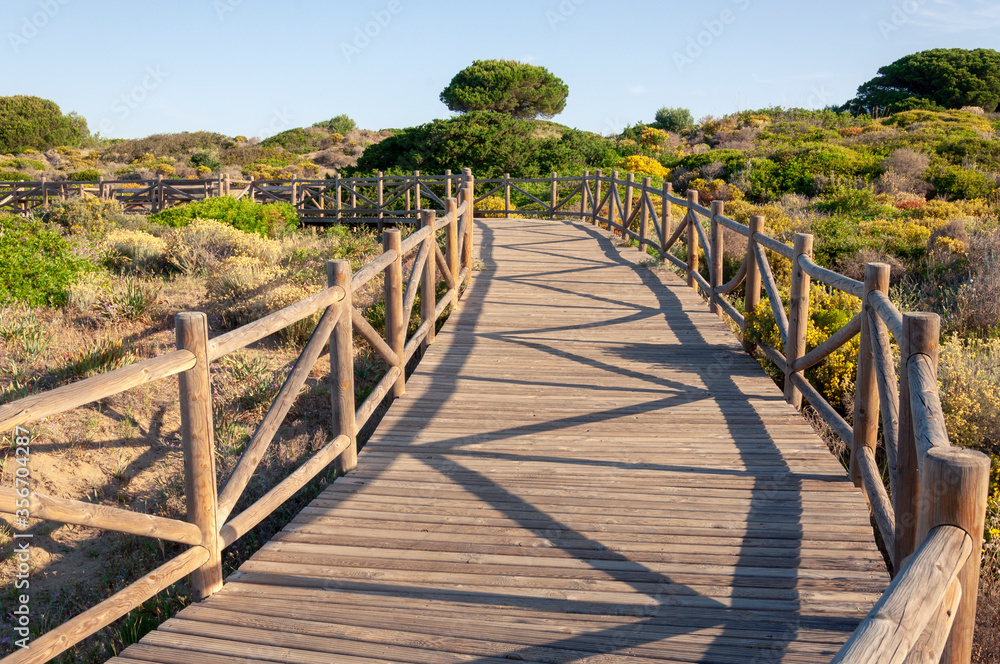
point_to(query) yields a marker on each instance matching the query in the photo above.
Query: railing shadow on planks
(377, 200)
(210, 527)
(930, 516)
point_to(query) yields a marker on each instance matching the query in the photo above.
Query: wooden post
(692, 238)
(921, 335)
(718, 250)
(198, 441)
(158, 203)
(451, 246)
(584, 186)
(45, 194)
(339, 202)
(953, 489)
(395, 326)
(629, 184)
(643, 215)
(229, 184)
(469, 195)
(409, 205)
(416, 190)
(295, 192)
(597, 195)
(612, 190)
(101, 193)
(428, 284)
(338, 273)
(798, 314)
(751, 296)
(666, 209)
(447, 183)
(381, 201)
(506, 194)
(554, 194)
(866, 402)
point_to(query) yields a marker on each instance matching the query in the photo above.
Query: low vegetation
(90, 290)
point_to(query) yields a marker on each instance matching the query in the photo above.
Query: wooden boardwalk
(585, 467)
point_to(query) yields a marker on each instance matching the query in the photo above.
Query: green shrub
(293, 140)
(862, 203)
(33, 122)
(961, 183)
(206, 159)
(340, 124)
(39, 265)
(13, 176)
(491, 144)
(267, 220)
(673, 119)
(23, 164)
(86, 175)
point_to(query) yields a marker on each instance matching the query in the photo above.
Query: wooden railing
(375, 200)
(932, 513)
(210, 526)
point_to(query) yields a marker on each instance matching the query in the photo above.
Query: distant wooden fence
(210, 527)
(373, 200)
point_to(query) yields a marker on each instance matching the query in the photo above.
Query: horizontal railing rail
(379, 199)
(935, 492)
(210, 526)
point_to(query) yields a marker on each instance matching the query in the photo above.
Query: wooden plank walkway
(585, 467)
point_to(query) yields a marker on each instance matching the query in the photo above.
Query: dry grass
(125, 450)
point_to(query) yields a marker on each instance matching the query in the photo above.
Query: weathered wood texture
(585, 465)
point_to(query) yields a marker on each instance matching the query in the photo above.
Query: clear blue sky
(133, 67)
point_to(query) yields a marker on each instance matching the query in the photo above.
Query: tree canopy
(940, 78)
(489, 143)
(33, 122)
(673, 119)
(506, 86)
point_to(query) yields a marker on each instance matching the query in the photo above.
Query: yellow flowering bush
(969, 377)
(828, 312)
(238, 276)
(492, 207)
(645, 166)
(137, 249)
(777, 223)
(204, 242)
(652, 137)
(86, 214)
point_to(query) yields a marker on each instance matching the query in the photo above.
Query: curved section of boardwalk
(585, 467)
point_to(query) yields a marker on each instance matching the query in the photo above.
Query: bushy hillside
(313, 152)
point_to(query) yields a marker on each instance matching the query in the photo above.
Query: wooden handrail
(906, 607)
(79, 513)
(38, 406)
